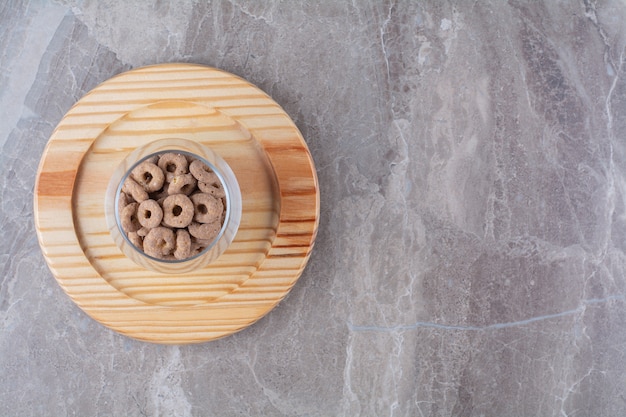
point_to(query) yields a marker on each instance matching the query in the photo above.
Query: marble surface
(471, 256)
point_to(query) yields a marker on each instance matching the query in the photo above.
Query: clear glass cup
(232, 202)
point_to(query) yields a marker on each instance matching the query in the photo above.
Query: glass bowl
(231, 201)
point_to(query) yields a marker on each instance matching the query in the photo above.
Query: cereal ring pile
(172, 206)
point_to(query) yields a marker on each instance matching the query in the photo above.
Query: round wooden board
(267, 153)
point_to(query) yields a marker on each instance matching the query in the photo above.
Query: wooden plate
(275, 171)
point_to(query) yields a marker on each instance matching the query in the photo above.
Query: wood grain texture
(280, 207)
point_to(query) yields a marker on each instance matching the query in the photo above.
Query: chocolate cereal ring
(216, 190)
(135, 190)
(183, 244)
(202, 172)
(196, 249)
(173, 164)
(136, 240)
(149, 176)
(159, 242)
(198, 245)
(143, 232)
(203, 243)
(149, 214)
(122, 202)
(153, 159)
(160, 194)
(128, 218)
(182, 184)
(177, 211)
(205, 231)
(207, 209)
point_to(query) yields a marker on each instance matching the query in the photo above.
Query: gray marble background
(471, 255)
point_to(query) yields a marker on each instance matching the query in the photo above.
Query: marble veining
(471, 255)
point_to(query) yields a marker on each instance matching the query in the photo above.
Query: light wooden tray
(269, 157)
